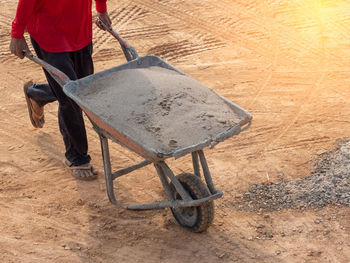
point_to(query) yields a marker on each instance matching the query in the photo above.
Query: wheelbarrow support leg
(195, 162)
(165, 182)
(164, 173)
(206, 172)
(107, 169)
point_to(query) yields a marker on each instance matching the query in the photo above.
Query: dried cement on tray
(159, 108)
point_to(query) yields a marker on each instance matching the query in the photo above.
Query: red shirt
(56, 25)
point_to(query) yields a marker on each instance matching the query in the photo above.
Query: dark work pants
(75, 65)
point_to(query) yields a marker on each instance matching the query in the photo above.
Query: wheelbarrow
(190, 198)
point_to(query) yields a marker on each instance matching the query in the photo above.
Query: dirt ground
(286, 62)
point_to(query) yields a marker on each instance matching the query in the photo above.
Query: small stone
(250, 238)
(317, 221)
(11, 148)
(80, 202)
(314, 253)
(278, 252)
(223, 255)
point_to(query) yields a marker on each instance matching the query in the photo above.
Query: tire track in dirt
(5, 23)
(301, 144)
(300, 109)
(149, 32)
(342, 94)
(120, 18)
(182, 49)
(285, 32)
(274, 59)
(171, 51)
(5, 36)
(193, 20)
(292, 46)
(265, 138)
(105, 54)
(5, 54)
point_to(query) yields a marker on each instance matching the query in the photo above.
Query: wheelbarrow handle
(58, 75)
(129, 51)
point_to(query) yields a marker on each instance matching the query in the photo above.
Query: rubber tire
(197, 190)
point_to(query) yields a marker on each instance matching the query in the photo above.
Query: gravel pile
(328, 183)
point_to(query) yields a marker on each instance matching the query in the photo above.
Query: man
(61, 34)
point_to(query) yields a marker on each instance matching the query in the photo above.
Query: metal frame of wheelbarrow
(165, 174)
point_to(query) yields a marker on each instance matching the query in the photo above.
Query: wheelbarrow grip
(58, 75)
(129, 51)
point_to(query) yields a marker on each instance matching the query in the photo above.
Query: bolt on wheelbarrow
(134, 104)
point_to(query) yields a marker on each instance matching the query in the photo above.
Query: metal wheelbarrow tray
(157, 111)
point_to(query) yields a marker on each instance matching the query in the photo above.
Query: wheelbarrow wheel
(195, 218)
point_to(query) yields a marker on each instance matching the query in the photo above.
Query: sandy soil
(286, 62)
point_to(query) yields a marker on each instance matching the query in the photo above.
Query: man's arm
(101, 8)
(18, 43)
